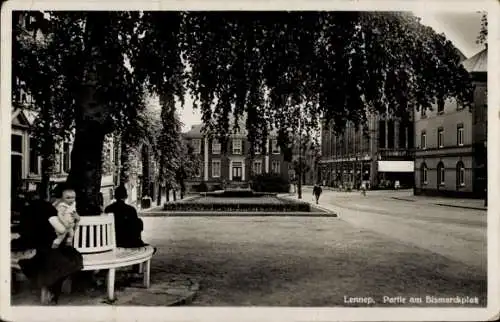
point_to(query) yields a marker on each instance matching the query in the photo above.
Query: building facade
(26, 173)
(379, 156)
(451, 157)
(234, 167)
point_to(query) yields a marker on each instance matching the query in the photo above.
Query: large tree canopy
(271, 66)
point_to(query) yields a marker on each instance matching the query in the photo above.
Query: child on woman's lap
(67, 219)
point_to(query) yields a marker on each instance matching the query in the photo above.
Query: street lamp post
(299, 183)
(486, 174)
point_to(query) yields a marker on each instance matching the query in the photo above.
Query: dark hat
(121, 192)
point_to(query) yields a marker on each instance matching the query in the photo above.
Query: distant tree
(482, 38)
(188, 166)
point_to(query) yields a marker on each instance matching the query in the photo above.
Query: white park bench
(95, 240)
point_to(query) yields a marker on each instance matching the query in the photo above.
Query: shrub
(237, 206)
(216, 187)
(202, 187)
(270, 183)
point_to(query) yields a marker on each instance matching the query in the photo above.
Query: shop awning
(395, 166)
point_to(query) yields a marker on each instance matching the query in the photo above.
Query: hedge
(270, 183)
(274, 207)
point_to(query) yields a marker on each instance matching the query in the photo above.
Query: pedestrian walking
(363, 188)
(317, 192)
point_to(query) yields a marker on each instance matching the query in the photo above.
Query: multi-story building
(379, 156)
(235, 166)
(26, 166)
(451, 158)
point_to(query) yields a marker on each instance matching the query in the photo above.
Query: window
(440, 174)
(423, 140)
(460, 174)
(390, 136)
(275, 147)
(34, 168)
(216, 146)
(460, 134)
(440, 137)
(257, 148)
(215, 168)
(423, 174)
(257, 167)
(237, 146)
(381, 135)
(423, 112)
(197, 171)
(276, 166)
(66, 158)
(16, 142)
(196, 146)
(440, 106)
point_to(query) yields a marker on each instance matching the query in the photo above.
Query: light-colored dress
(65, 223)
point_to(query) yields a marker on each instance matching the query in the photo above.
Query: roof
(477, 63)
(24, 116)
(194, 132)
(196, 129)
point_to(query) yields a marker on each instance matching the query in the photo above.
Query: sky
(461, 28)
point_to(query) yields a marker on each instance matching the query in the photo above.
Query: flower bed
(237, 193)
(257, 204)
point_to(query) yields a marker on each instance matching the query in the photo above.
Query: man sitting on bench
(128, 226)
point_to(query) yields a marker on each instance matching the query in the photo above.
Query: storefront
(391, 171)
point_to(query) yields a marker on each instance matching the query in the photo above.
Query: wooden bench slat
(84, 237)
(99, 231)
(91, 236)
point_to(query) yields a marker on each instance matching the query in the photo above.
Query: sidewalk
(475, 204)
(408, 196)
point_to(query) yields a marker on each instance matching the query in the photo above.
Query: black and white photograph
(251, 158)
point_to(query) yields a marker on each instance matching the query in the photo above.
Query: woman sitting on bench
(53, 262)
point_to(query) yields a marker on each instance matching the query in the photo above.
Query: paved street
(456, 233)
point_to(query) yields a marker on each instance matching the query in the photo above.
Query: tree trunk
(167, 193)
(86, 169)
(183, 188)
(124, 162)
(158, 200)
(93, 122)
(44, 192)
(299, 176)
(174, 195)
(145, 171)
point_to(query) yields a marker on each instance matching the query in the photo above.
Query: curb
(175, 292)
(463, 207)
(312, 204)
(445, 204)
(403, 199)
(326, 213)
